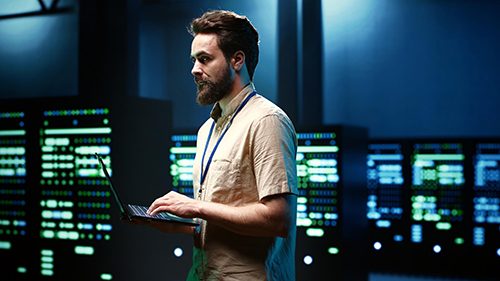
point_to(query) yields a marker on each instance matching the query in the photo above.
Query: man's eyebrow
(197, 54)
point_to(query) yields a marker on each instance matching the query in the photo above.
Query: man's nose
(196, 70)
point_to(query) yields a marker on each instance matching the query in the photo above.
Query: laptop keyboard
(142, 211)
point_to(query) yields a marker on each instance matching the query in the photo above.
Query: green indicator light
(47, 272)
(322, 170)
(11, 114)
(47, 252)
(67, 225)
(77, 131)
(418, 198)
(47, 259)
(106, 276)
(453, 157)
(50, 224)
(315, 149)
(51, 203)
(66, 204)
(182, 150)
(333, 250)
(5, 245)
(22, 269)
(84, 250)
(304, 222)
(12, 133)
(315, 232)
(71, 235)
(318, 163)
(48, 166)
(459, 241)
(89, 150)
(443, 225)
(12, 151)
(48, 174)
(451, 174)
(48, 234)
(67, 215)
(47, 266)
(429, 175)
(46, 214)
(56, 141)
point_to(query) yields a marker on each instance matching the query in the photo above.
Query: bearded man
(244, 177)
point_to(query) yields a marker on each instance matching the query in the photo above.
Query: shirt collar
(217, 111)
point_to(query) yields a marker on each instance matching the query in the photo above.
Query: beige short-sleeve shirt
(255, 159)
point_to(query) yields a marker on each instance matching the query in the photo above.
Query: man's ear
(238, 60)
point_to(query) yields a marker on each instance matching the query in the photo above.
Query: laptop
(130, 211)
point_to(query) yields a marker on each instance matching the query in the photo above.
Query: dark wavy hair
(234, 33)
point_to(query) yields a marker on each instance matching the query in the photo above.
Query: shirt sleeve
(274, 148)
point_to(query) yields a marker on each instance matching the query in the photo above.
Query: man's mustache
(199, 81)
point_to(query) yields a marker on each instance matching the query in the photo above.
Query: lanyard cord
(205, 171)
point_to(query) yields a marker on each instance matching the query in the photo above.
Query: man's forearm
(267, 218)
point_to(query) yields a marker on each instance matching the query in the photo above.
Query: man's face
(212, 73)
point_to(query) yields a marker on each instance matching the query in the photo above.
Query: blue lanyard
(205, 171)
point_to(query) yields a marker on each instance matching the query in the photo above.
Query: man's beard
(210, 92)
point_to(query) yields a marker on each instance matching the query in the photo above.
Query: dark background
(414, 68)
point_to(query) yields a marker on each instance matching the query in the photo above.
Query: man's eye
(202, 60)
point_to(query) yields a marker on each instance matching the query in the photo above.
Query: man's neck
(236, 89)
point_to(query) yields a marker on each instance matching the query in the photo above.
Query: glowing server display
(318, 177)
(330, 196)
(182, 153)
(437, 203)
(486, 199)
(443, 201)
(386, 192)
(74, 200)
(57, 217)
(13, 190)
(12, 175)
